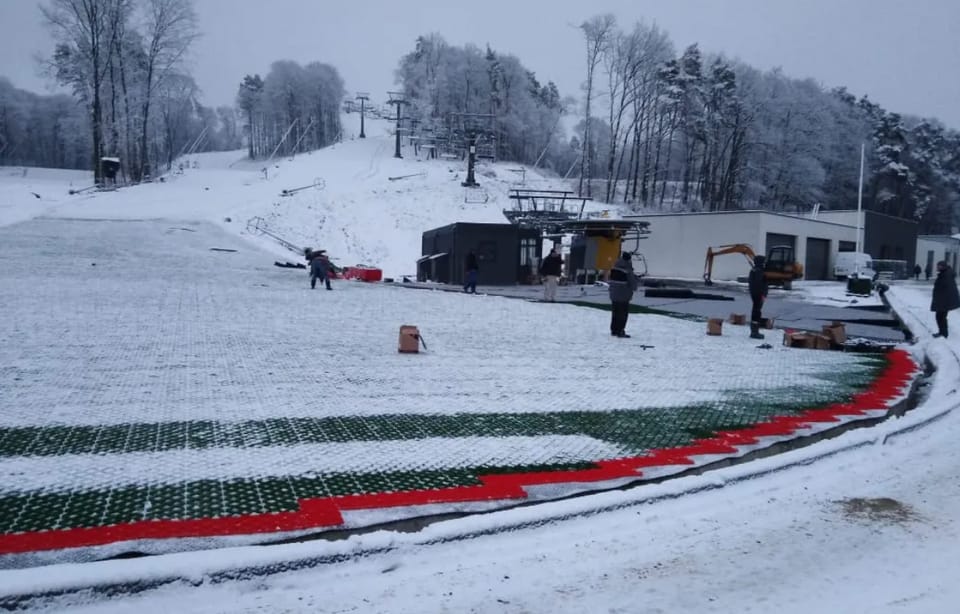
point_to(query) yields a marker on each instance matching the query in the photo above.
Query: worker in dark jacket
(945, 297)
(623, 283)
(550, 269)
(319, 269)
(758, 294)
(473, 271)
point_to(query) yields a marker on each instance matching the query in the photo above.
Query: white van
(851, 264)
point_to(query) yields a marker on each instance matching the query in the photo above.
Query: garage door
(774, 240)
(817, 265)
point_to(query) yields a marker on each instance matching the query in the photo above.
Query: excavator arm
(712, 252)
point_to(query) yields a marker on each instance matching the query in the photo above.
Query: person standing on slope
(945, 297)
(551, 268)
(319, 268)
(758, 294)
(473, 271)
(622, 283)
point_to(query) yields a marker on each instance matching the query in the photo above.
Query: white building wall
(943, 248)
(677, 244)
(843, 216)
(804, 228)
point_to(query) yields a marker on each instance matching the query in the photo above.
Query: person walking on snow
(473, 271)
(319, 269)
(758, 294)
(550, 268)
(622, 283)
(945, 297)
(916, 272)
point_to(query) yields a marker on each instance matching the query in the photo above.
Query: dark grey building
(507, 254)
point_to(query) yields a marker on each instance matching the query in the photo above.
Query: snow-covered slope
(359, 215)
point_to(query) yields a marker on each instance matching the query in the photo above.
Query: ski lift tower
(398, 99)
(473, 127)
(362, 97)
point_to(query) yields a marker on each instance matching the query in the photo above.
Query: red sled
(363, 273)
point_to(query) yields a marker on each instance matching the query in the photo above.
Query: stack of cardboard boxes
(834, 335)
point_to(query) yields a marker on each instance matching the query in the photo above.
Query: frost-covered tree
(441, 82)
(293, 109)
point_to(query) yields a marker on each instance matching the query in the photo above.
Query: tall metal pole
(398, 99)
(362, 97)
(859, 213)
(363, 135)
(471, 181)
(396, 154)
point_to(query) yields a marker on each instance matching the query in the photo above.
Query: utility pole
(398, 99)
(362, 97)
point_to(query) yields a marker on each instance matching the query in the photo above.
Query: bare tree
(84, 38)
(597, 32)
(170, 28)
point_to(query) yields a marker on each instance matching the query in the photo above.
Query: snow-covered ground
(864, 522)
(867, 522)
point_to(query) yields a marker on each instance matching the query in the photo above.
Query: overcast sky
(903, 55)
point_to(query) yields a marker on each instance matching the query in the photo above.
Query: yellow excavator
(780, 268)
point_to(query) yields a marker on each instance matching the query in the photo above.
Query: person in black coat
(916, 272)
(758, 294)
(945, 297)
(473, 271)
(622, 284)
(550, 268)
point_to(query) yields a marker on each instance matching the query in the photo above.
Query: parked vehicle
(850, 264)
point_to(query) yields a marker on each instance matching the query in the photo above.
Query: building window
(528, 251)
(848, 246)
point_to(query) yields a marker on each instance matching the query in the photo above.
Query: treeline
(442, 82)
(294, 109)
(686, 131)
(54, 131)
(123, 61)
(49, 131)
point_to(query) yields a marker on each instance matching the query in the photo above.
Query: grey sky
(904, 55)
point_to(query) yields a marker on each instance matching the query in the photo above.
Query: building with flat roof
(678, 242)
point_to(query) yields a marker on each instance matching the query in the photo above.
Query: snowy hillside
(359, 215)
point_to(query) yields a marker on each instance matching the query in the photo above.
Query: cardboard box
(768, 323)
(715, 326)
(821, 342)
(799, 340)
(738, 319)
(836, 332)
(409, 339)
